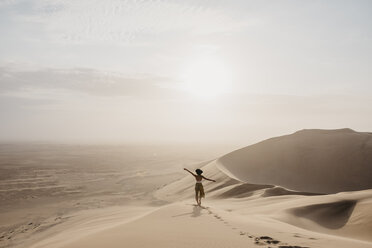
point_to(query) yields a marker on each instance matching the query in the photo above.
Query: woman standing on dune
(199, 189)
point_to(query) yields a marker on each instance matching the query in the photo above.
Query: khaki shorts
(199, 189)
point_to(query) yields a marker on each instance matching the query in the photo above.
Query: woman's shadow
(196, 211)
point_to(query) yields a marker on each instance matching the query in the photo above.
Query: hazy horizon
(161, 72)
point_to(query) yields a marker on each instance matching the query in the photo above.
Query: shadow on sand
(196, 211)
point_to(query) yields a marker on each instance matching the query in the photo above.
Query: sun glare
(206, 78)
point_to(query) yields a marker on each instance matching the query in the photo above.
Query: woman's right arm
(189, 172)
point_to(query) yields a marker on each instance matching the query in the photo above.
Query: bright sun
(206, 78)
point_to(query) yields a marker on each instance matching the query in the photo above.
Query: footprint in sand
(264, 240)
(257, 242)
(219, 218)
(269, 240)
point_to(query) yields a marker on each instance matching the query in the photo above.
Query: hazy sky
(182, 71)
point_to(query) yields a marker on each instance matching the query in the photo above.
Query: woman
(199, 190)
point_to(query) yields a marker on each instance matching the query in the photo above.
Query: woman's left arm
(209, 179)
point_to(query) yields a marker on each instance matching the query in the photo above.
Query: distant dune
(320, 161)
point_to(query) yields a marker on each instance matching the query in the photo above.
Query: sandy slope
(184, 225)
(176, 225)
(324, 161)
(346, 214)
(89, 224)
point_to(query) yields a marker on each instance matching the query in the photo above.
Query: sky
(194, 71)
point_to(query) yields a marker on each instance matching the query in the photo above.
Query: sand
(235, 213)
(44, 187)
(185, 225)
(337, 160)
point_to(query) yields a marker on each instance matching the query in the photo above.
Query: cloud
(86, 81)
(120, 21)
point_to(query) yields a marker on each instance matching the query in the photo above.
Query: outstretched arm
(189, 172)
(209, 179)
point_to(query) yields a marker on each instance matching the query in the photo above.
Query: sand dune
(320, 161)
(344, 214)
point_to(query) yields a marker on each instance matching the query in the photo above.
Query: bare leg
(197, 197)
